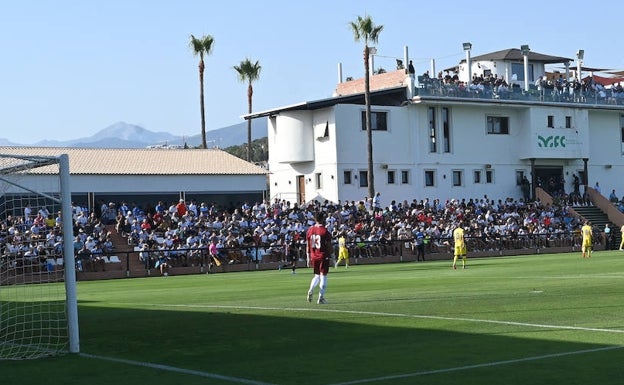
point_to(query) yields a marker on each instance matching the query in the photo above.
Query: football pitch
(538, 319)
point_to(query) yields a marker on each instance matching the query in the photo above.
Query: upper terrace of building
(510, 74)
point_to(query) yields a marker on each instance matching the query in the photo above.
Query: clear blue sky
(72, 68)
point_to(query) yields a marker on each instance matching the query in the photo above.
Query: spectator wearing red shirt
(181, 208)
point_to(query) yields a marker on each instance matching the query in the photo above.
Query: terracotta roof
(377, 82)
(115, 161)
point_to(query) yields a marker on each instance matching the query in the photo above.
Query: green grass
(541, 319)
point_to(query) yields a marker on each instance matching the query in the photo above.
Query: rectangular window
(346, 176)
(446, 130)
(318, 180)
(457, 178)
(363, 175)
(497, 125)
(519, 177)
(391, 177)
(405, 179)
(433, 140)
(568, 122)
(379, 121)
(489, 176)
(517, 70)
(551, 121)
(477, 176)
(429, 178)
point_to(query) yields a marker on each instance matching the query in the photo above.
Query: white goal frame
(71, 303)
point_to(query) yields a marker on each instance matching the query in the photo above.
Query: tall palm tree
(248, 72)
(202, 46)
(364, 30)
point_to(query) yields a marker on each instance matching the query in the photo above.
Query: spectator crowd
(181, 233)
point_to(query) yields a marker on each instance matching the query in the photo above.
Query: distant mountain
(125, 135)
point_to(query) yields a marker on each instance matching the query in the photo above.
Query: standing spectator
(377, 201)
(608, 237)
(319, 250)
(597, 187)
(419, 243)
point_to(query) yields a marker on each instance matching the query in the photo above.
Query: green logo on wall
(551, 141)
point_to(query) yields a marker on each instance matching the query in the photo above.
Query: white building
(436, 140)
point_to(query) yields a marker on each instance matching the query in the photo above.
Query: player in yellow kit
(343, 252)
(460, 246)
(586, 246)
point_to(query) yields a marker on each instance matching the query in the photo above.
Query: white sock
(323, 285)
(314, 282)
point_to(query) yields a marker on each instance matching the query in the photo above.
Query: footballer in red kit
(319, 250)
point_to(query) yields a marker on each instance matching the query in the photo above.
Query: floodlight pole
(467, 47)
(525, 53)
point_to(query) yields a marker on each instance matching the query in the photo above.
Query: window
(379, 121)
(551, 121)
(346, 176)
(517, 69)
(489, 176)
(457, 178)
(318, 180)
(405, 177)
(519, 177)
(477, 176)
(391, 177)
(497, 125)
(568, 122)
(363, 178)
(433, 140)
(446, 130)
(429, 178)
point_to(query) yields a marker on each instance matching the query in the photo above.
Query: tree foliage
(259, 150)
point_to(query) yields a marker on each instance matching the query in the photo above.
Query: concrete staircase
(599, 219)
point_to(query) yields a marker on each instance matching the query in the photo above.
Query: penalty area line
(477, 366)
(174, 369)
(401, 315)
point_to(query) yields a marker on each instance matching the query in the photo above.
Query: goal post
(38, 301)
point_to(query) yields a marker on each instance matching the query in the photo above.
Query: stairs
(599, 219)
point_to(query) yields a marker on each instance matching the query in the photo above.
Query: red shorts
(320, 265)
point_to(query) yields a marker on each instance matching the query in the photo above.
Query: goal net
(38, 315)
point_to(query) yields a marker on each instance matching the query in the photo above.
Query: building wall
(595, 135)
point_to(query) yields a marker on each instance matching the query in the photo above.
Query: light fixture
(580, 54)
(467, 46)
(525, 49)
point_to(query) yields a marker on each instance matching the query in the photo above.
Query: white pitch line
(177, 370)
(381, 314)
(476, 366)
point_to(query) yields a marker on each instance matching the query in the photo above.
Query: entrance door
(550, 178)
(300, 189)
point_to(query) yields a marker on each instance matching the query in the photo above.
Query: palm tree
(364, 30)
(248, 72)
(202, 46)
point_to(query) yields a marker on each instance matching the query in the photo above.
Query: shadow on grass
(305, 348)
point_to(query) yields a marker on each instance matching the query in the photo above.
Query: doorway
(550, 178)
